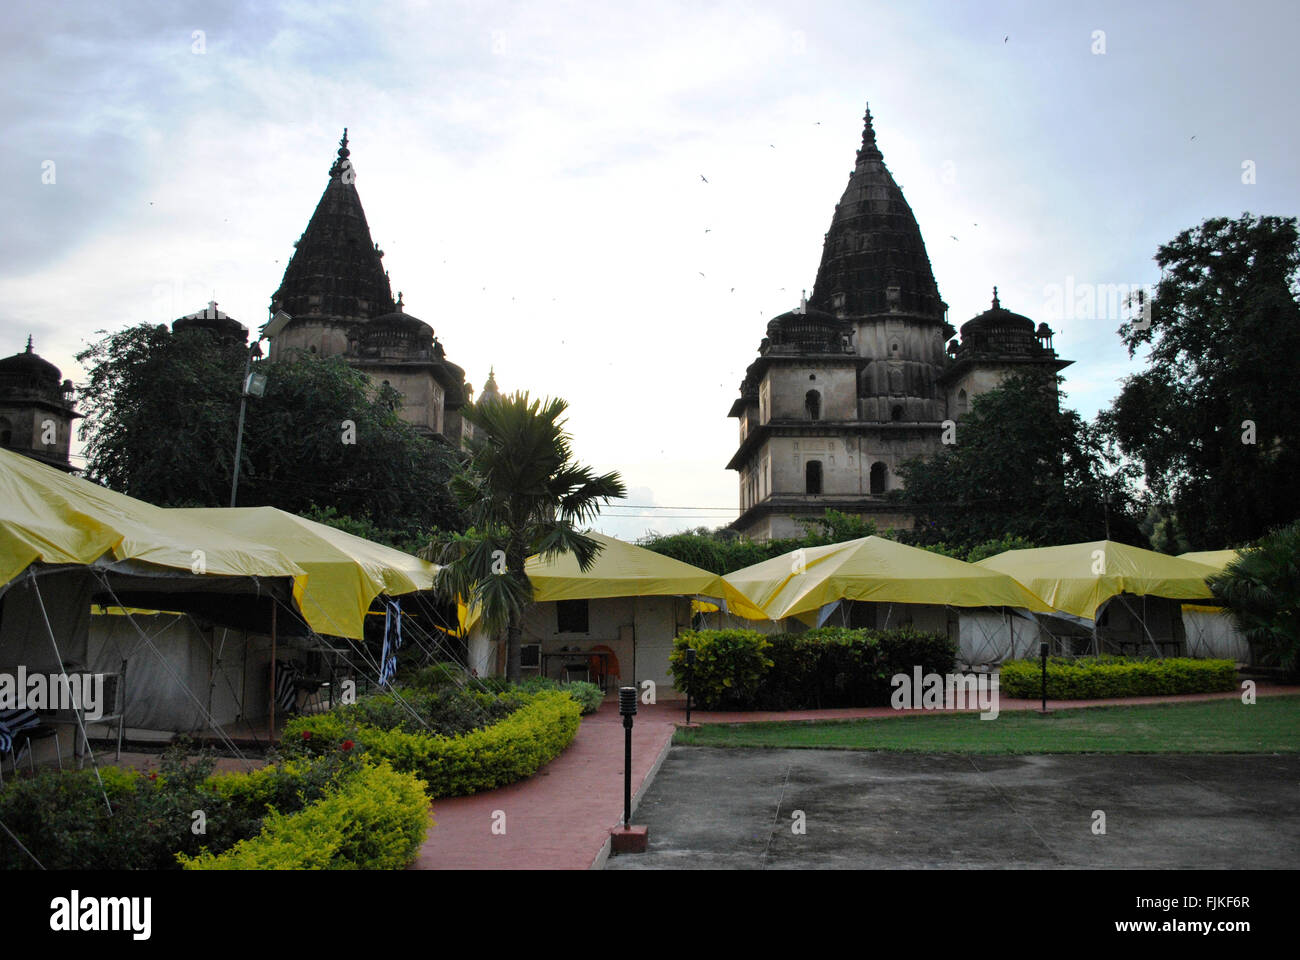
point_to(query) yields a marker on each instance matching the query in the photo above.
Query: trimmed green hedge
(1088, 678)
(827, 667)
(375, 820)
(494, 756)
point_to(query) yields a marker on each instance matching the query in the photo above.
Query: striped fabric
(392, 641)
(14, 722)
(286, 694)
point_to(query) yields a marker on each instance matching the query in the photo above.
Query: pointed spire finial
(341, 162)
(869, 150)
(29, 343)
(399, 301)
(996, 305)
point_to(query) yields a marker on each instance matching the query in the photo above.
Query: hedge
(485, 759)
(375, 820)
(1089, 678)
(827, 667)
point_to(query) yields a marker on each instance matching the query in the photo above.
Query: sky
(536, 175)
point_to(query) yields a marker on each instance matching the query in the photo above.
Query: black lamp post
(254, 386)
(1042, 652)
(690, 679)
(627, 708)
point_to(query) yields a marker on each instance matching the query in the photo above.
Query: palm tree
(523, 495)
(1261, 589)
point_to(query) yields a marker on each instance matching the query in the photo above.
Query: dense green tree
(523, 494)
(1020, 467)
(161, 415)
(1261, 589)
(1215, 419)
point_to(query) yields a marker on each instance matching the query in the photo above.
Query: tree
(1261, 589)
(162, 410)
(523, 494)
(1215, 419)
(1021, 468)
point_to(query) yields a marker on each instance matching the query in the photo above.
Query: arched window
(812, 404)
(878, 471)
(812, 478)
(963, 404)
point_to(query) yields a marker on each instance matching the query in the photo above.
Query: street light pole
(247, 387)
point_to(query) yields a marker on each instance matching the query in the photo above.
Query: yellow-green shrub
(494, 756)
(1088, 678)
(374, 820)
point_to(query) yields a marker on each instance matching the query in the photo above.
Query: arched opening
(812, 404)
(878, 472)
(963, 404)
(896, 414)
(812, 478)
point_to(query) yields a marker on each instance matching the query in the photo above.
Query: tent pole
(272, 733)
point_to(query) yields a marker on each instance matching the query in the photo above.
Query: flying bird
(1006, 38)
(704, 178)
(954, 237)
(701, 274)
(708, 230)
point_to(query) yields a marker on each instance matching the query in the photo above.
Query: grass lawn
(1271, 725)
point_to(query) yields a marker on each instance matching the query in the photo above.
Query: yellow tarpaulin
(624, 570)
(1079, 577)
(48, 516)
(1218, 559)
(345, 572)
(877, 570)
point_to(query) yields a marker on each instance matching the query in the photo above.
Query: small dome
(809, 329)
(29, 364)
(997, 318)
(210, 318)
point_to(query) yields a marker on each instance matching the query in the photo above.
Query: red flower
(348, 744)
(153, 776)
(306, 734)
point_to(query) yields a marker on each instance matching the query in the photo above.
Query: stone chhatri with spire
(36, 409)
(339, 302)
(856, 379)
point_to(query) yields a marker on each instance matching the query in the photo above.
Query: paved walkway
(560, 818)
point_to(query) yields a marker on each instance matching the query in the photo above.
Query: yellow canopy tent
(53, 519)
(1079, 577)
(345, 572)
(802, 582)
(623, 570)
(1218, 559)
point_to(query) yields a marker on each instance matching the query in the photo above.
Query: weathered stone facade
(36, 409)
(857, 379)
(339, 302)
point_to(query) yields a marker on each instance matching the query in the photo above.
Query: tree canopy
(1215, 418)
(1020, 467)
(161, 416)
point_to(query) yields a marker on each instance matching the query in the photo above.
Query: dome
(222, 325)
(998, 318)
(29, 365)
(396, 335)
(809, 330)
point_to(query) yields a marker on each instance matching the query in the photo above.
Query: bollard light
(627, 708)
(1042, 653)
(690, 678)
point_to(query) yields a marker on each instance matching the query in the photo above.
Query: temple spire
(869, 150)
(995, 299)
(29, 343)
(341, 162)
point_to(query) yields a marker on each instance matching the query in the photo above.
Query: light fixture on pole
(255, 386)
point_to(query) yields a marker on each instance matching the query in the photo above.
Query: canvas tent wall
(636, 602)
